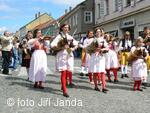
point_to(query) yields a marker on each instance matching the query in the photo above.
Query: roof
(82, 3)
(35, 19)
(46, 24)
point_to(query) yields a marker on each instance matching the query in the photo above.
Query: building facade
(81, 18)
(39, 19)
(118, 16)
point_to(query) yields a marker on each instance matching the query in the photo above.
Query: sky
(16, 13)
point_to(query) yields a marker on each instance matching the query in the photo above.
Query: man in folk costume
(83, 57)
(137, 57)
(125, 46)
(147, 46)
(97, 50)
(87, 42)
(65, 44)
(38, 63)
(112, 63)
(6, 51)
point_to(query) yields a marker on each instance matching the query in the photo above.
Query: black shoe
(104, 90)
(140, 89)
(41, 87)
(36, 86)
(96, 89)
(144, 87)
(81, 74)
(116, 81)
(5, 72)
(72, 85)
(87, 75)
(28, 79)
(122, 76)
(126, 76)
(65, 95)
(146, 84)
(110, 81)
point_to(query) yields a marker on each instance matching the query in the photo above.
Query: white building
(118, 16)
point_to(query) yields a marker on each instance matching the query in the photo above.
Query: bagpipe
(138, 53)
(146, 40)
(94, 46)
(62, 43)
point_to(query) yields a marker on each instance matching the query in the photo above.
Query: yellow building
(39, 19)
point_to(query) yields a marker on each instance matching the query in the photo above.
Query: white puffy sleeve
(133, 49)
(55, 41)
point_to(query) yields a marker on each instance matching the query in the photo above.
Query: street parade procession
(75, 56)
(101, 54)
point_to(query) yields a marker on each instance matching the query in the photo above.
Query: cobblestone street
(17, 95)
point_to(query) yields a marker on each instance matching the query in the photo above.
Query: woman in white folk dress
(38, 63)
(139, 67)
(97, 62)
(112, 63)
(87, 42)
(64, 59)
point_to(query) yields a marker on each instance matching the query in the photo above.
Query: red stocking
(103, 78)
(63, 81)
(95, 77)
(90, 77)
(115, 74)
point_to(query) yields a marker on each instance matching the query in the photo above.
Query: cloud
(63, 2)
(67, 2)
(2, 29)
(37, 8)
(6, 8)
(7, 17)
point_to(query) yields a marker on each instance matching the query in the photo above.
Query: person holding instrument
(138, 56)
(38, 63)
(64, 44)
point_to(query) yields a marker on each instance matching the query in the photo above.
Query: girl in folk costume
(38, 63)
(86, 43)
(147, 46)
(97, 61)
(83, 57)
(112, 63)
(125, 46)
(26, 51)
(139, 67)
(65, 44)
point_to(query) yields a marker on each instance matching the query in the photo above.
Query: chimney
(70, 8)
(39, 14)
(66, 11)
(36, 16)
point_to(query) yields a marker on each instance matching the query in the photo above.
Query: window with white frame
(116, 5)
(139, 0)
(76, 19)
(70, 22)
(88, 17)
(129, 2)
(102, 8)
(120, 5)
(98, 9)
(106, 5)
